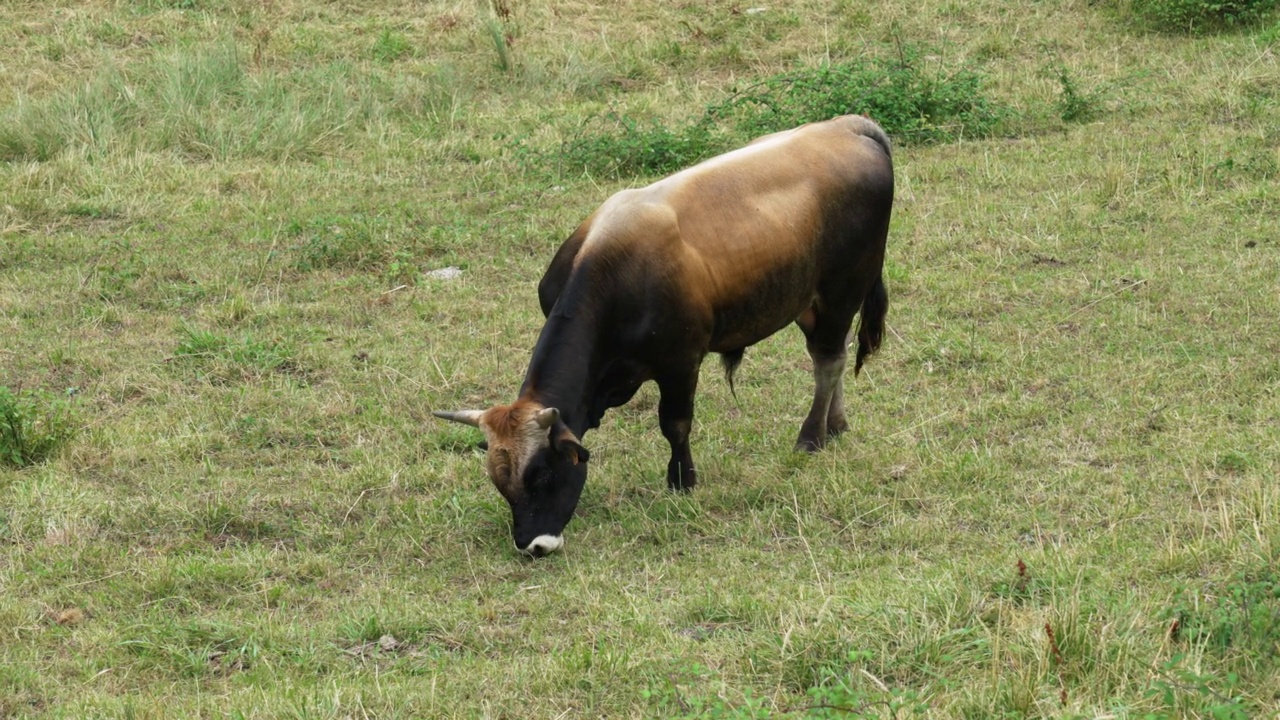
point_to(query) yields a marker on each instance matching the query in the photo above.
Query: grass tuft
(33, 425)
(219, 358)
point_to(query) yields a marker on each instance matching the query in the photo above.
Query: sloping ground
(217, 224)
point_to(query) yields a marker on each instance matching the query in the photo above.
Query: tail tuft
(731, 360)
(871, 323)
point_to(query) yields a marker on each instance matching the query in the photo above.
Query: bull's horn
(466, 417)
(547, 417)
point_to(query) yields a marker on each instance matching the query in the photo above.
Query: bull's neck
(563, 370)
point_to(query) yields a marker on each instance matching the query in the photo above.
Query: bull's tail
(871, 323)
(731, 360)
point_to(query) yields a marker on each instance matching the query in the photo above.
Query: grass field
(222, 493)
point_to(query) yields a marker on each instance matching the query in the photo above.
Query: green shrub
(1196, 16)
(32, 426)
(1241, 617)
(618, 146)
(913, 102)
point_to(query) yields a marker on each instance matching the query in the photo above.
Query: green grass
(218, 221)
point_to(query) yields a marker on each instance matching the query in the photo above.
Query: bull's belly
(746, 324)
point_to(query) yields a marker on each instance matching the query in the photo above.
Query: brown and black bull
(789, 229)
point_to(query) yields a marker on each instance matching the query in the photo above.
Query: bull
(789, 229)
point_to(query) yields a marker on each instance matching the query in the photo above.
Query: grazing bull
(790, 228)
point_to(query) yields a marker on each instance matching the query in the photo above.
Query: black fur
(731, 360)
(871, 322)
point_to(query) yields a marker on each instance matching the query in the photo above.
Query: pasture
(223, 331)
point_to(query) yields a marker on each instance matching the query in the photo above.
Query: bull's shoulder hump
(631, 217)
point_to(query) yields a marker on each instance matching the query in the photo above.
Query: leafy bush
(32, 426)
(1196, 16)
(1076, 104)
(1243, 617)
(623, 146)
(912, 102)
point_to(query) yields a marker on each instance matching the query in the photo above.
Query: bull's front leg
(675, 417)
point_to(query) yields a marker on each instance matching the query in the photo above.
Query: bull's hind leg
(675, 417)
(827, 336)
(836, 421)
(828, 368)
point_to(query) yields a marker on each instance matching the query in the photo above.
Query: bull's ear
(568, 445)
(466, 417)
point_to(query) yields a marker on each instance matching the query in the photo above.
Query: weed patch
(1199, 16)
(195, 649)
(1182, 691)
(221, 359)
(33, 425)
(349, 243)
(1241, 617)
(914, 99)
(370, 243)
(837, 695)
(619, 146)
(1075, 103)
(390, 46)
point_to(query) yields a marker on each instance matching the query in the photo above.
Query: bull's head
(538, 465)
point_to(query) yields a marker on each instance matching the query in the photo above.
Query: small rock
(449, 273)
(388, 643)
(755, 11)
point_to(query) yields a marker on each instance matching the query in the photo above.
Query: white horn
(466, 417)
(547, 417)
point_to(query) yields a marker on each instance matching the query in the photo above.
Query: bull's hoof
(837, 427)
(681, 481)
(808, 445)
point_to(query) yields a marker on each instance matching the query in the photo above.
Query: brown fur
(513, 435)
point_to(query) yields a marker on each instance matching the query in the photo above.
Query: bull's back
(773, 221)
(744, 239)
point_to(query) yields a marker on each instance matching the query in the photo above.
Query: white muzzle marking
(544, 545)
